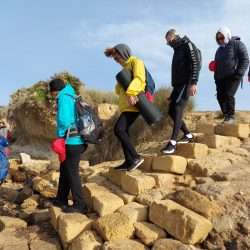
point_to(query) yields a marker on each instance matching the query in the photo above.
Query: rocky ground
(196, 199)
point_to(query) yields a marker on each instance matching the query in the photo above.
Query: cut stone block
(169, 244)
(192, 150)
(196, 202)
(148, 233)
(235, 130)
(71, 225)
(149, 196)
(124, 245)
(164, 180)
(147, 164)
(136, 183)
(119, 192)
(7, 222)
(180, 222)
(44, 187)
(116, 226)
(90, 190)
(115, 176)
(170, 164)
(135, 211)
(106, 203)
(219, 141)
(207, 166)
(88, 240)
(205, 128)
(55, 212)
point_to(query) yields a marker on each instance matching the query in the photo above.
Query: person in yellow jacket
(121, 53)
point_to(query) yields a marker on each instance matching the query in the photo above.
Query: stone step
(218, 141)
(239, 130)
(148, 233)
(207, 166)
(135, 211)
(101, 199)
(192, 150)
(235, 130)
(180, 222)
(164, 180)
(86, 240)
(71, 225)
(136, 182)
(196, 202)
(126, 244)
(205, 128)
(169, 244)
(116, 226)
(170, 164)
(150, 196)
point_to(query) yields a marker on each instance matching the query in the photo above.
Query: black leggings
(69, 179)
(226, 90)
(121, 130)
(177, 105)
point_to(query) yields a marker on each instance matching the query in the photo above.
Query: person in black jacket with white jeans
(186, 66)
(231, 63)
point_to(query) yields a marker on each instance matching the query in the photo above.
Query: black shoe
(75, 209)
(54, 203)
(226, 118)
(185, 139)
(123, 167)
(231, 120)
(137, 163)
(58, 203)
(169, 148)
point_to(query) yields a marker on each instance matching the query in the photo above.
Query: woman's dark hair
(56, 85)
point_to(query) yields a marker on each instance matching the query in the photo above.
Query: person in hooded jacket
(186, 64)
(231, 61)
(69, 179)
(121, 53)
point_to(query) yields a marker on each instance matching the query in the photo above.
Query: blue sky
(40, 38)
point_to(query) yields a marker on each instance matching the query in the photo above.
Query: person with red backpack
(230, 64)
(128, 100)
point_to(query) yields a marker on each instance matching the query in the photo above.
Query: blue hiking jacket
(66, 115)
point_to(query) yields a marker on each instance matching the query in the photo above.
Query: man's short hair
(171, 32)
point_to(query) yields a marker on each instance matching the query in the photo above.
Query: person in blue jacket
(66, 128)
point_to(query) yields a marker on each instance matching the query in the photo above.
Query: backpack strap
(73, 132)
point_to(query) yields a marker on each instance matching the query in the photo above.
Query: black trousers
(121, 130)
(69, 179)
(226, 90)
(178, 102)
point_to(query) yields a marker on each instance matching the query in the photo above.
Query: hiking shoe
(123, 167)
(54, 203)
(226, 119)
(137, 163)
(186, 139)
(231, 120)
(75, 209)
(169, 148)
